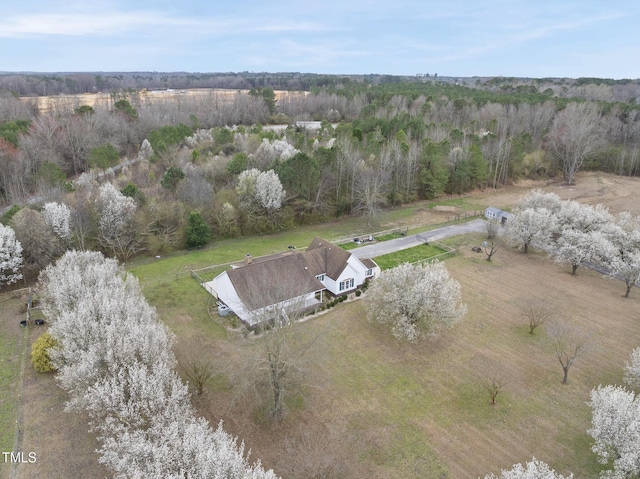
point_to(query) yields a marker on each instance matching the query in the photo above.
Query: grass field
(11, 338)
(409, 255)
(421, 410)
(372, 406)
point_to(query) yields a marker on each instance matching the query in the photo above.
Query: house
(261, 288)
(493, 213)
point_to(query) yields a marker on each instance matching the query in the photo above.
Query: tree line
(190, 168)
(114, 358)
(578, 234)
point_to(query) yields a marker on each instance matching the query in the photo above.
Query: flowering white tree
(530, 227)
(627, 268)
(146, 150)
(10, 256)
(534, 469)
(624, 234)
(88, 293)
(116, 228)
(58, 216)
(583, 217)
(284, 150)
(268, 151)
(537, 199)
(246, 187)
(616, 430)
(269, 191)
(115, 360)
(260, 190)
(632, 369)
(265, 154)
(577, 247)
(416, 300)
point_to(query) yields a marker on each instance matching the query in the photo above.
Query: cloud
(108, 23)
(121, 22)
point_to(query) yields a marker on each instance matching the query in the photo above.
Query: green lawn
(409, 255)
(155, 271)
(465, 204)
(10, 347)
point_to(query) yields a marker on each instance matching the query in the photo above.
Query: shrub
(40, 353)
(198, 233)
(172, 177)
(358, 292)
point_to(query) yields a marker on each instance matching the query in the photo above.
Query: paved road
(384, 247)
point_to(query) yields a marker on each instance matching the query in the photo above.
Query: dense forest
(155, 176)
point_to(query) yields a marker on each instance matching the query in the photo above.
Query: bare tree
(576, 133)
(197, 371)
(490, 247)
(494, 385)
(570, 342)
(280, 347)
(369, 194)
(537, 312)
(40, 244)
(279, 365)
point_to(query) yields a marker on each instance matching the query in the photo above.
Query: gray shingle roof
(265, 283)
(275, 278)
(325, 257)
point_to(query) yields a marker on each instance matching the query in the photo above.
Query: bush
(172, 177)
(6, 217)
(105, 156)
(197, 232)
(358, 293)
(40, 353)
(342, 298)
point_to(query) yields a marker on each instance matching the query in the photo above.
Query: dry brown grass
(418, 411)
(104, 100)
(63, 445)
(619, 193)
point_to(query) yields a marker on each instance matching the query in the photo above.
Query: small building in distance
(496, 214)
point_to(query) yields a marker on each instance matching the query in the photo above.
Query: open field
(104, 100)
(421, 410)
(409, 255)
(375, 407)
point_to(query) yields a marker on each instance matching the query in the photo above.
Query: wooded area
(382, 141)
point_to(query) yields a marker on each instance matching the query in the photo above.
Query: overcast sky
(532, 38)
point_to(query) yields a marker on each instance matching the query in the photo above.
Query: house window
(370, 272)
(320, 277)
(346, 284)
